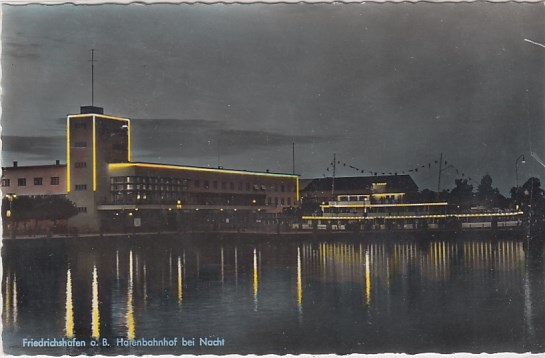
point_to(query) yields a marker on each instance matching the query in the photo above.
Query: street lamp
(522, 160)
(10, 198)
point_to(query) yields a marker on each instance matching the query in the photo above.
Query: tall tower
(92, 141)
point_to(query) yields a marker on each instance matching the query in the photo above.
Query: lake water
(475, 292)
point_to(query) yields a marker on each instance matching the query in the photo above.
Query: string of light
(418, 168)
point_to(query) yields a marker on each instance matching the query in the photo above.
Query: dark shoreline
(291, 235)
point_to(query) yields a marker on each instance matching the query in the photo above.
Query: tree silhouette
(462, 194)
(488, 196)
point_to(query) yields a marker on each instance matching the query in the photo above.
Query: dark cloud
(188, 138)
(34, 147)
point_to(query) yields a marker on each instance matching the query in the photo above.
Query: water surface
(475, 292)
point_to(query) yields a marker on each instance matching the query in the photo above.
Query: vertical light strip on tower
(297, 188)
(128, 140)
(94, 155)
(67, 154)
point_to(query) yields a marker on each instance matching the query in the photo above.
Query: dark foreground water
(449, 293)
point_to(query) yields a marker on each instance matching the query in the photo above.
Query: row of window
(241, 186)
(37, 181)
(276, 202)
(147, 180)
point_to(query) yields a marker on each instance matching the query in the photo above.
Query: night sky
(387, 87)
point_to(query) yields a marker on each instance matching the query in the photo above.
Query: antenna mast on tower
(93, 76)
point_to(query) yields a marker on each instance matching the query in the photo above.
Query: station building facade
(108, 188)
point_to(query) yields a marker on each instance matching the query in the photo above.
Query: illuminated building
(102, 181)
(385, 203)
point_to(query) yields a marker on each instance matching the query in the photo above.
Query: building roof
(189, 167)
(402, 183)
(30, 167)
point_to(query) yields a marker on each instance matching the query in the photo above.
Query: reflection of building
(103, 182)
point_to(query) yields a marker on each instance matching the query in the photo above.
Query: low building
(380, 189)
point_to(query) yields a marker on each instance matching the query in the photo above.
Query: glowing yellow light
(130, 214)
(14, 300)
(7, 299)
(180, 288)
(367, 279)
(95, 315)
(299, 283)
(393, 217)
(130, 314)
(69, 319)
(128, 140)
(297, 188)
(255, 275)
(68, 154)
(341, 205)
(136, 209)
(94, 156)
(99, 116)
(8, 213)
(388, 194)
(113, 166)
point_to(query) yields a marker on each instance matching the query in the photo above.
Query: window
(247, 186)
(197, 183)
(82, 209)
(232, 186)
(21, 182)
(269, 201)
(38, 181)
(54, 180)
(215, 184)
(223, 185)
(5, 182)
(80, 165)
(206, 184)
(81, 187)
(240, 186)
(275, 201)
(289, 201)
(80, 145)
(282, 188)
(282, 201)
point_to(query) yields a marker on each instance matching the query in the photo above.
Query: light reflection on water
(285, 295)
